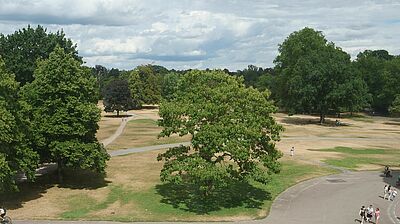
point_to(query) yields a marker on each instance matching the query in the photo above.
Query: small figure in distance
(337, 123)
(387, 172)
(292, 151)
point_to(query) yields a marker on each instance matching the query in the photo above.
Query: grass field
(143, 132)
(132, 190)
(354, 159)
(165, 202)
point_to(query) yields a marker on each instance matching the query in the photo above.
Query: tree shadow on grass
(118, 116)
(238, 194)
(308, 121)
(29, 191)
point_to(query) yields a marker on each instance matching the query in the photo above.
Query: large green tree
(24, 47)
(136, 88)
(314, 76)
(371, 65)
(117, 97)
(15, 153)
(170, 85)
(64, 113)
(233, 132)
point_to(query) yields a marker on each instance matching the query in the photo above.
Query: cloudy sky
(205, 33)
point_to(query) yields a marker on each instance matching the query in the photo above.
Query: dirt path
(118, 132)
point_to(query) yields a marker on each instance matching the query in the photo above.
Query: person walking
(292, 151)
(387, 192)
(370, 213)
(377, 215)
(362, 214)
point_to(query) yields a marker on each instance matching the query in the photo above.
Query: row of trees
(48, 107)
(312, 75)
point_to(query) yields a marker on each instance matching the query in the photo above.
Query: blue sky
(184, 34)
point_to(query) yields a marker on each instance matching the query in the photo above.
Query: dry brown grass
(143, 132)
(140, 172)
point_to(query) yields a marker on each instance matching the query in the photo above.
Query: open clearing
(132, 190)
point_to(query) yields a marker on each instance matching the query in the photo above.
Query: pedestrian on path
(387, 192)
(370, 213)
(362, 214)
(392, 195)
(292, 151)
(377, 215)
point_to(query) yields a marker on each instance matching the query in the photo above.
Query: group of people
(389, 193)
(366, 214)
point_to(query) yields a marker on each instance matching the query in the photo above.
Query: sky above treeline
(202, 34)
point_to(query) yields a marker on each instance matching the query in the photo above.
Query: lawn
(143, 132)
(356, 158)
(166, 202)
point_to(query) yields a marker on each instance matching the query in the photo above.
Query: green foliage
(381, 72)
(136, 88)
(117, 96)
(170, 85)
(151, 81)
(104, 76)
(23, 48)
(395, 107)
(316, 76)
(63, 113)
(15, 154)
(233, 133)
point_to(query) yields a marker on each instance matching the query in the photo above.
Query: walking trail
(329, 200)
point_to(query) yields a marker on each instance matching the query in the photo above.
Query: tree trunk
(117, 113)
(59, 171)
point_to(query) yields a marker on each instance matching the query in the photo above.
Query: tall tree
(136, 88)
(151, 80)
(64, 113)
(117, 97)
(170, 85)
(23, 48)
(15, 153)
(371, 65)
(233, 132)
(313, 74)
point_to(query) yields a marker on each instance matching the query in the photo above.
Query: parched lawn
(143, 132)
(150, 200)
(352, 158)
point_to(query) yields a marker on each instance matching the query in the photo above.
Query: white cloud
(204, 33)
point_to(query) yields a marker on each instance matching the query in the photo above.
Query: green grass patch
(359, 117)
(167, 202)
(354, 158)
(348, 150)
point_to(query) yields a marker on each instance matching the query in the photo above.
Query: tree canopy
(316, 76)
(64, 113)
(117, 97)
(15, 153)
(233, 133)
(23, 48)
